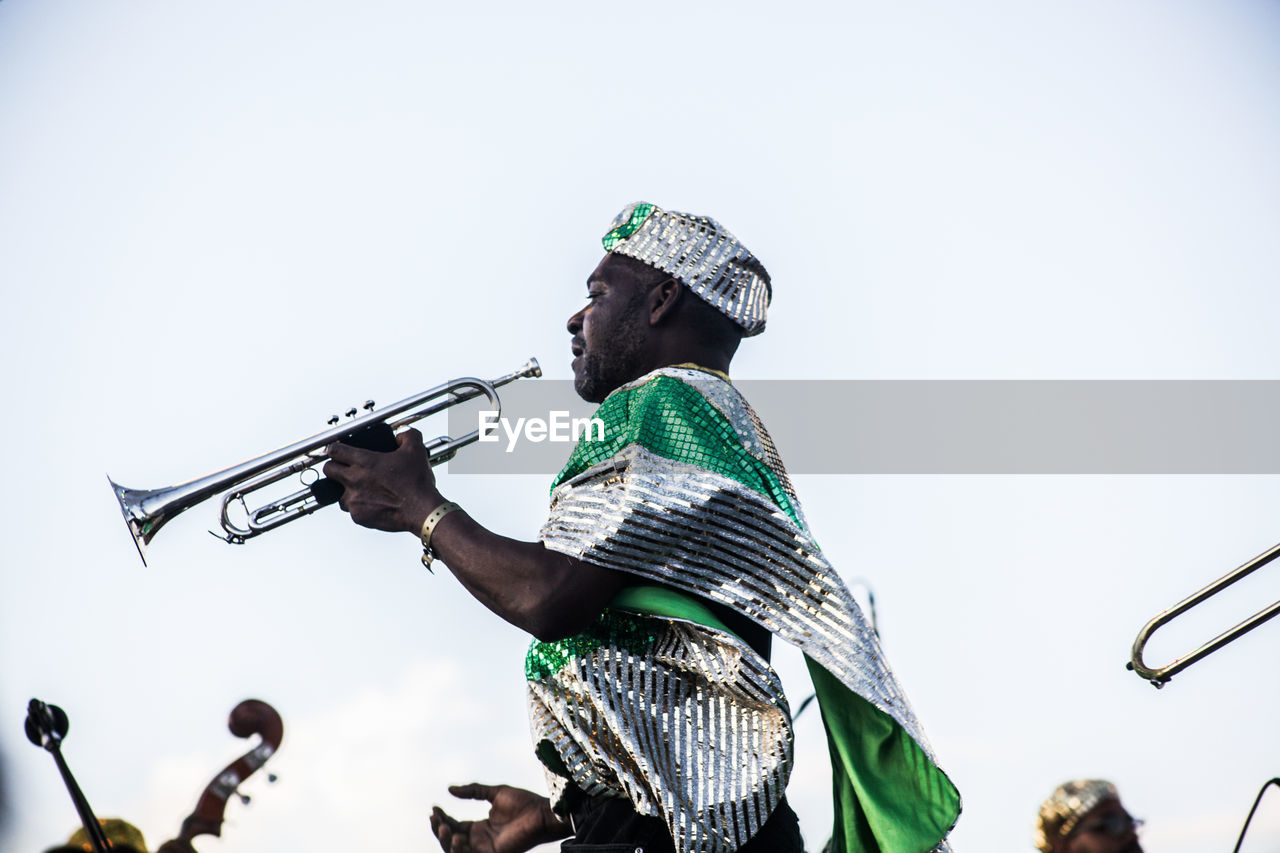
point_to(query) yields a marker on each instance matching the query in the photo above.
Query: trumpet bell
(143, 525)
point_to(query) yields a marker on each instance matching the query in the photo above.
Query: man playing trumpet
(674, 550)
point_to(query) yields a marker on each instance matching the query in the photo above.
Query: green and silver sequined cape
(662, 704)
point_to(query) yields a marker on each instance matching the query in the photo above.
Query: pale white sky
(219, 223)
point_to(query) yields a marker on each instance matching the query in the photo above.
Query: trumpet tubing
(147, 510)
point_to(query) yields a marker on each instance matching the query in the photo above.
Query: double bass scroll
(250, 717)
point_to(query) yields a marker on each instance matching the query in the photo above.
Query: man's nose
(575, 323)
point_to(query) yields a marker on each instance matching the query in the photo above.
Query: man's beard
(600, 373)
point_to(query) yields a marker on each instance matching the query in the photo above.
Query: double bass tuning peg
(245, 798)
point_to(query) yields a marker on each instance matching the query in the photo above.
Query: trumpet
(1161, 676)
(146, 511)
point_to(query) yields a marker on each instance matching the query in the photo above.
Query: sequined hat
(1066, 805)
(698, 252)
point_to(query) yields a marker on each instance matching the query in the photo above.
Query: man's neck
(689, 365)
(713, 360)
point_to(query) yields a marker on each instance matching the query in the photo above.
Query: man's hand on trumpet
(393, 491)
(545, 593)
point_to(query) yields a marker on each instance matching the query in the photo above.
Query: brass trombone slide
(1161, 676)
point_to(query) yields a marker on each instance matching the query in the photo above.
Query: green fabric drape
(888, 795)
(666, 602)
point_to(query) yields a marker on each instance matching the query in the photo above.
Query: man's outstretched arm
(548, 594)
(518, 820)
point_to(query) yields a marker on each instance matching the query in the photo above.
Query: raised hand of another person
(519, 820)
(392, 491)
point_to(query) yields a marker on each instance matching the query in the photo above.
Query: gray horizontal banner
(1140, 427)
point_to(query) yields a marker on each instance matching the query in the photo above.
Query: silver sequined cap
(1066, 805)
(700, 253)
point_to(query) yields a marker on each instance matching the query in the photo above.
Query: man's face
(1106, 828)
(610, 333)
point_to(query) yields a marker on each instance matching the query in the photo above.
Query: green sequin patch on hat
(627, 223)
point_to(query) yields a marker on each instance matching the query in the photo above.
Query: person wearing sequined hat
(674, 551)
(1085, 816)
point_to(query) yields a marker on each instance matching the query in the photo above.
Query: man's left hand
(518, 820)
(392, 491)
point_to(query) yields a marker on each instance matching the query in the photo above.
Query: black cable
(1256, 803)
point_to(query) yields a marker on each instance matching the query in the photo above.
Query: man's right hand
(393, 491)
(518, 820)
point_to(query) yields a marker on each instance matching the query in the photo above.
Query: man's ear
(663, 300)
